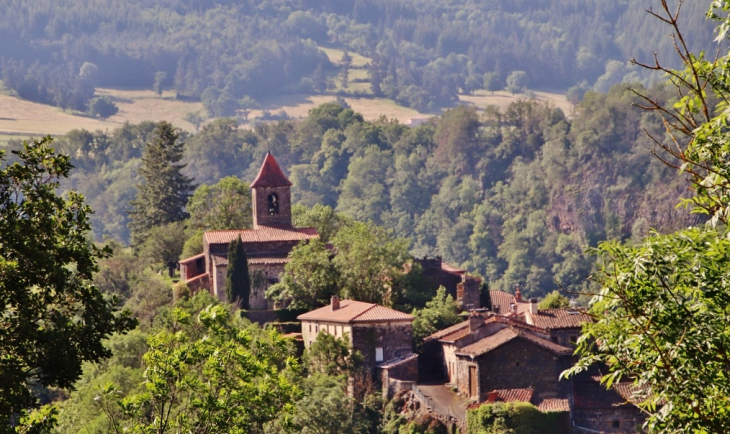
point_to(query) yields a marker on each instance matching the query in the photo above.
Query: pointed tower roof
(270, 174)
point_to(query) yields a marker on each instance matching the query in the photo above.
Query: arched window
(273, 204)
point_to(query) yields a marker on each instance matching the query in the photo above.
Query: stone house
(461, 286)
(267, 244)
(382, 335)
(506, 304)
(613, 410)
(496, 352)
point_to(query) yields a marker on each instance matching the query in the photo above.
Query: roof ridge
(372, 305)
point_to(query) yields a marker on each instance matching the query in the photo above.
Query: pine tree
(164, 190)
(485, 298)
(238, 280)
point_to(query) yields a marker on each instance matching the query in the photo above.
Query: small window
(273, 204)
(554, 339)
(310, 328)
(316, 329)
(615, 424)
(517, 363)
(310, 343)
(379, 354)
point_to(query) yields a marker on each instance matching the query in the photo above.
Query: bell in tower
(271, 196)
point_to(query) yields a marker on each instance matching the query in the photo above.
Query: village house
(267, 244)
(496, 352)
(380, 334)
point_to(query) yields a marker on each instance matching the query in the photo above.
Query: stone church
(267, 245)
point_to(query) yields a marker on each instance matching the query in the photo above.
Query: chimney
(475, 321)
(518, 293)
(533, 306)
(493, 396)
(335, 302)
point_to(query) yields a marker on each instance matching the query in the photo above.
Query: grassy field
(335, 56)
(21, 119)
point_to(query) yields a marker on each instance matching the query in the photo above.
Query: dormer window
(273, 204)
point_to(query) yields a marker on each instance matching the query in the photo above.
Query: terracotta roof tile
(504, 300)
(192, 258)
(447, 331)
(270, 174)
(514, 395)
(508, 334)
(554, 405)
(263, 234)
(352, 312)
(550, 319)
(219, 261)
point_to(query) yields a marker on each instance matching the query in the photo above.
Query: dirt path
(445, 401)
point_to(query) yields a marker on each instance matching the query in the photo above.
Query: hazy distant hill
(424, 52)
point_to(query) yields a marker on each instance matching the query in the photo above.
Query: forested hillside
(516, 196)
(422, 53)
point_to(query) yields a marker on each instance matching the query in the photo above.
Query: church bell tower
(271, 196)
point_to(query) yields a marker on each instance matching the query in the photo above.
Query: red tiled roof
(550, 319)
(219, 260)
(263, 234)
(191, 259)
(504, 300)
(447, 331)
(514, 395)
(508, 334)
(270, 174)
(553, 405)
(351, 312)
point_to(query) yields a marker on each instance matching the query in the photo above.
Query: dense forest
(514, 195)
(422, 53)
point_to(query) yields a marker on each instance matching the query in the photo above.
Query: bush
(102, 107)
(516, 417)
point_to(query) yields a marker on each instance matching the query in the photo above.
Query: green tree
(164, 191)
(194, 119)
(485, 297)
(661, 312)
(160, 77)
(440, 313)
(332, 356)
(238, 280)
(53, 317)
(164, 245)
(246, 104)
(370, 263)
(310, 278)
(325, 408)
(207, 375)
(517, 82)
(492, 82)
(102, 107)
(224, 205)
(554, 300)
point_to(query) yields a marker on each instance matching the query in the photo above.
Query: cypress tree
(238, 280)
(485, 298)
(164, 190)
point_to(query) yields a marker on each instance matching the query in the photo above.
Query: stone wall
(515, 365)
(565, 337)
(395, 339)
(261, 206)
(398, 375)
(623, 419)
(468, 293)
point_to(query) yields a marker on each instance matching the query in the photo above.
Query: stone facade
(264, 198)
(515, 365)
(267, 245)
(399, 374)
(395, 339)
(462, 287)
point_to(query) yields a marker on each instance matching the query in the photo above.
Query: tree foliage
(207, 374)
(333, 356)
(554, 300)
(53, 317)
(440, 313)
(661, 310)
(164, 191)
(238, 279)
(223, 205)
